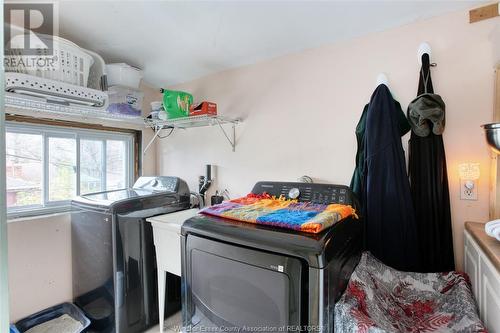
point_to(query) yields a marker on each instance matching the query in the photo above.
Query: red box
(204, 108)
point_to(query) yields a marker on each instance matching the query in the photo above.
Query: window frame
(78, 134)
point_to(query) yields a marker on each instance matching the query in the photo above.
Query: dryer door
(240, 288)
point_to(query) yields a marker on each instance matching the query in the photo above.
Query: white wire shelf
(47, 108)
(195, 121)
(187, 122)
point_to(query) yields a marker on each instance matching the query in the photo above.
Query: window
(47, 166)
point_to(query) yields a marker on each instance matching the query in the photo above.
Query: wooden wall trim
(496, 114)
(66, 123)
(483, 13)
(495, 188)
(495, 159)
(74, 124)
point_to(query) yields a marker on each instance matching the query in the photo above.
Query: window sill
(34, 214)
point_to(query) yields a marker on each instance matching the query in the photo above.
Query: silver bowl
(492, 132)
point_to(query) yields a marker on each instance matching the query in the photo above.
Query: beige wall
(39, 263)
(149, 159)
(40, 247)
(300, 110)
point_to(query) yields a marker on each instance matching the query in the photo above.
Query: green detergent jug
(176, 103)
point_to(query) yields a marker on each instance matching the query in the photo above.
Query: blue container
(51, 313)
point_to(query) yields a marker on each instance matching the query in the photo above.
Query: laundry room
(250, 166)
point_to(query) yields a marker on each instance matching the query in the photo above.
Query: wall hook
(423, 49)
(382, 79)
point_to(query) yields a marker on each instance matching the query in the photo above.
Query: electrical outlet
(468, 190)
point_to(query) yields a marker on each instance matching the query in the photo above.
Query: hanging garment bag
(428, 176)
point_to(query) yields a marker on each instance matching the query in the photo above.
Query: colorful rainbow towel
(280, 212)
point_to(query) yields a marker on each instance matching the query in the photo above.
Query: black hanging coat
(429, 189)
(390, 229)
(358, 175)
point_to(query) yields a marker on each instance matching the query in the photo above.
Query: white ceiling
(179, 41)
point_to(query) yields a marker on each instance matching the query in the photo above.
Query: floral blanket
(381, 299)
(280, 212)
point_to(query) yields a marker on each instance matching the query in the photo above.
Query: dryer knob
(294, 193)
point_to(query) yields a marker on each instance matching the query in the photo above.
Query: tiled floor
(172, 325)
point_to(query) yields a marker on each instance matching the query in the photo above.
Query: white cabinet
(471, 264)
(485, 279)
(490, 295)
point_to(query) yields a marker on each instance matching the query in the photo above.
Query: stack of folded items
(493, 229)
(280, 212)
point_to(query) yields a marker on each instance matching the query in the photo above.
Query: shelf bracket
(157, 132)
(233, 141)
(194, 121)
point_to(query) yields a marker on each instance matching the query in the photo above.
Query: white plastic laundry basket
(70, 63)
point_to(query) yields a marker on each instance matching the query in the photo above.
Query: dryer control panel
(307, 192)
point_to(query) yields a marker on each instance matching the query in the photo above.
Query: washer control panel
(306, 192)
